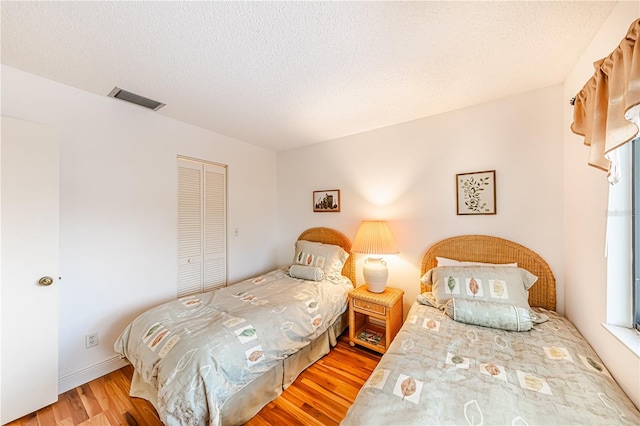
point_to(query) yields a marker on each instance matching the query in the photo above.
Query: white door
(202, 226)
(29, 251)
(189, 227)
(215, 227)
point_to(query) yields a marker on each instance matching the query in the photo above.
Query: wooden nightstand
(374, 318)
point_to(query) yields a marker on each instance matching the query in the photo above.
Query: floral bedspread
(199, 350)
(439, 371)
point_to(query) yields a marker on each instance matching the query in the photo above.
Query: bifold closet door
(215, 227)
(202, 230)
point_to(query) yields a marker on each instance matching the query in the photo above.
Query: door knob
(45, 281)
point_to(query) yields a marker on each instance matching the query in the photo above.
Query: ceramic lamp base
(375, 274)
(376, 288)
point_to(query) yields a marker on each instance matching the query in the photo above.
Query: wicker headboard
(484, 248)
(331, 236)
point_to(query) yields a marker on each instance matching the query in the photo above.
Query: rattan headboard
(484, 248)
(331, 236)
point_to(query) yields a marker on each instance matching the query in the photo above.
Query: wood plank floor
(321, 395)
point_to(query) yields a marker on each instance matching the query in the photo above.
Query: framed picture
(476, 193)
(326, 201)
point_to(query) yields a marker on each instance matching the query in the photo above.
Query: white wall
(406, 175)
(585, 215)
(118, 211)
(118, 186)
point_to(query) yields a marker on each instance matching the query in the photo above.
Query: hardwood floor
(321, 395)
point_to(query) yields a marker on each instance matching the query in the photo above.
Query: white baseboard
(92, 372)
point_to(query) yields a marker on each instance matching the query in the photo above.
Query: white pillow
(443, 261)
(330, 258)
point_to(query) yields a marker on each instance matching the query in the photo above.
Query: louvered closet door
(190, 187)
(215, 229)
(201, 227)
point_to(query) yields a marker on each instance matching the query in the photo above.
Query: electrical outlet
(92, 339)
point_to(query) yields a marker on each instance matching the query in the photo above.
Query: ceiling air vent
(135, 99)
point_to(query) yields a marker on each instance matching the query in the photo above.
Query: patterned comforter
(439, 371)
(199, 350)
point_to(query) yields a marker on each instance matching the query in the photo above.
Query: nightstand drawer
(368, 306)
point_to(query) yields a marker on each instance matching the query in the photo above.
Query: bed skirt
(248, 401)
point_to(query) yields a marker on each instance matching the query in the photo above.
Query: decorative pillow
(443, 261)
(489, 314)
(309, 273)
(427, 299)
(330, 258)
(502, 284)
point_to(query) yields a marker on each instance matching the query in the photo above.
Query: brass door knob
(45, 281)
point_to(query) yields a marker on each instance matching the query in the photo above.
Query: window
(635, 149)
(619, 242)
(623, 249)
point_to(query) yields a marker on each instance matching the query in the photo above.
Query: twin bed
(219, 357)
(452, 372)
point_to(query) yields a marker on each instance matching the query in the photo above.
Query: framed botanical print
(476, 193)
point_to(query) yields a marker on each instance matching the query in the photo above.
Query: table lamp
(375, 239)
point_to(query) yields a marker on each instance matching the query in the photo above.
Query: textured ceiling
(287, 74)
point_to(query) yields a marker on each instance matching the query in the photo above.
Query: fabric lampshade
(374, 238)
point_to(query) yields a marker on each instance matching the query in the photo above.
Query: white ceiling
(288, 74)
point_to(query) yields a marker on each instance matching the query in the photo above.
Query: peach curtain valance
(606, 109)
